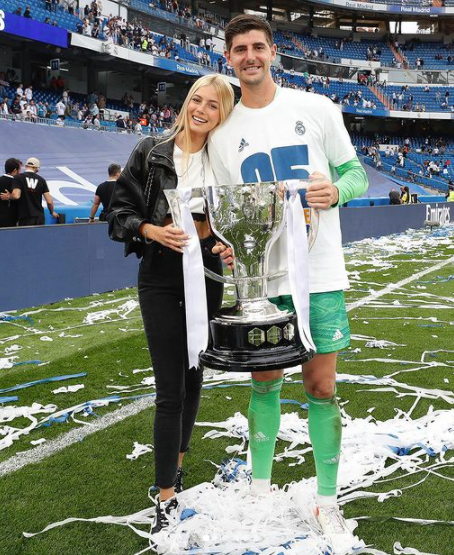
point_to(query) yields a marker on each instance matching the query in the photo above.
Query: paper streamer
(298, 264)
(194, 285)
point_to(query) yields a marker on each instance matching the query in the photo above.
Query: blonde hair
(226, 98)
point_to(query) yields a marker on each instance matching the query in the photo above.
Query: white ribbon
(298, 264)
(194, 284)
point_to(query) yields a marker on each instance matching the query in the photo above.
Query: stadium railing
(69, 123)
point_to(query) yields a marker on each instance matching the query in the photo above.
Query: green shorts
(328, 319)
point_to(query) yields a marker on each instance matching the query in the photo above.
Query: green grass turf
(94, 478)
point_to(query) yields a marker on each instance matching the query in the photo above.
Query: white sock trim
(260, 486)
(326, 500)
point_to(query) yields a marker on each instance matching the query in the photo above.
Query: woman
(140, 218)
(405, 195)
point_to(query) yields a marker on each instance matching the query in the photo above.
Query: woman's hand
(321, 194)
(169, 236)
(225, 253)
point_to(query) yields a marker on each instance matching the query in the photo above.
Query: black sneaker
(163, 510)
(178, 486)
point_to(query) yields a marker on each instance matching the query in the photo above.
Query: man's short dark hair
(12, 164)
(243, 24)
(114, 169)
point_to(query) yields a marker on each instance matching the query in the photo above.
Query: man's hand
(5, 195)
(321, 194)
(225, 253)
(169, 236)
(54, 215)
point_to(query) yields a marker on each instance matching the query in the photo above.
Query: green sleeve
(352, 182)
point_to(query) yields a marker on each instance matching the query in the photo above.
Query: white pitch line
(397, 285)
(18, 461)
(32, 456)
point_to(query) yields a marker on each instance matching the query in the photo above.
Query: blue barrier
(50, 263)
(365, 222)
(47, 264)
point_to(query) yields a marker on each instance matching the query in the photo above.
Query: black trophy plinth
(255, 346)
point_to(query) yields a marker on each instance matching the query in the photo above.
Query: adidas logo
(260, 436)
(338, 335)
(243, 145)
(334, 460)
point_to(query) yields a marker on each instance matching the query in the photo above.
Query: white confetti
(68, 389)
(139, 450)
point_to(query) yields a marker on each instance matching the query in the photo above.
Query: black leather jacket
(138, 196)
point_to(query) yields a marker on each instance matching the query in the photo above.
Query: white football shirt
(297, 134)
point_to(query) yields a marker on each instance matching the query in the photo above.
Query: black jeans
(161, 297)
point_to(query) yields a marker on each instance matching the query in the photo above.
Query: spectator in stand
(16, 108)
(33, 111)
(4, 109)
(41, 110)
(18, 11)
(27, 13)
(60, 83)
(28, 93)
(103, 194)
(60, 109)
(8, 207)
(394, 197)
(120, 122)
(29, 188)
(94, 110)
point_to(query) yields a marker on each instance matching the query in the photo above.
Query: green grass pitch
(93, 477)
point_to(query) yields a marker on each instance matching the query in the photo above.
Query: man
(394, 197)
(60, 109)
(104, 193)
(8, 207)
(285, 134)
(120, 122)
(4, 109)
(29, 188)
(450, 194)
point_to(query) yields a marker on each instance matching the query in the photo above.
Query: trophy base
(255, 346)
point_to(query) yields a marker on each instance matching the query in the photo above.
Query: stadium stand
(420, 160)
(434, 55)
(60, 18)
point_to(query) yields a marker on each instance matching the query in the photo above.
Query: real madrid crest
(299, 128)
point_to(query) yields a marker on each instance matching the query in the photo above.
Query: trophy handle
(234, 281)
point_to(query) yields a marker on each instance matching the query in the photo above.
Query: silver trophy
(253, 334)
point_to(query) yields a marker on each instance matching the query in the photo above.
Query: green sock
(325, 432)
(264, 418)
